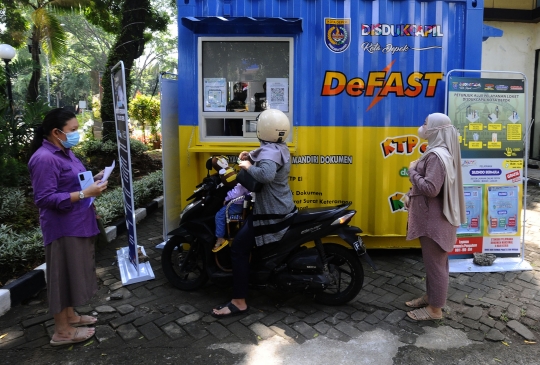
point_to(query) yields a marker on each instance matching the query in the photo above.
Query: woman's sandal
(84, 321)
(422, 314)
(233, 311)
(80, 335)
(417, 303)
(223, 244)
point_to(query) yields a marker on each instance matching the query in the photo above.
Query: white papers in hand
(107, 172)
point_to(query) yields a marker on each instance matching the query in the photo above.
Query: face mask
(422, 132)
(72, 139)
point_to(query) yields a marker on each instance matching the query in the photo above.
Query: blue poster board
(130, 269)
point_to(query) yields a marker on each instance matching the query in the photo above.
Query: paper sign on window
(277, 93)
(215, 94)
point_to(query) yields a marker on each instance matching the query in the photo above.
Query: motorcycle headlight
(189, 207)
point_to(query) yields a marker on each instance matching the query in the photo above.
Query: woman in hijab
(273, 210)
(436, 209)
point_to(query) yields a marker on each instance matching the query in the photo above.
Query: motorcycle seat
(314, 214)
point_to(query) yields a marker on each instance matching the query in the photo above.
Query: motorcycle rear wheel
(348, 272)
(184, 264)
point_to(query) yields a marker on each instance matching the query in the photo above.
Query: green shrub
(10, 201)
(145, 111)
(92, 147)
(20, 251)
(137, 147)
(24, 215)
(13, 172)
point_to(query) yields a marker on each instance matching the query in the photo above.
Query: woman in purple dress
(436, 209)
(68, 223)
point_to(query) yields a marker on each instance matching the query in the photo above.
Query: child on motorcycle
(235, 208)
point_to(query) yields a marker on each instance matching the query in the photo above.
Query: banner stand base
(500, 264)
(161, 245)
(127, 270)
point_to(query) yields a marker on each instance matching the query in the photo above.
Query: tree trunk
(128, 47)
(33, 87)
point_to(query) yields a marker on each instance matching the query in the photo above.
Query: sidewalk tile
(150, 331)
(196, 330)
(125, 319)
(262, 331)
(128, 332)
(218, 330)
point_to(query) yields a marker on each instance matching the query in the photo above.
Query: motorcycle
(299, 262)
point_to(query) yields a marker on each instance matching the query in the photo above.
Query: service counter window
(239, 78)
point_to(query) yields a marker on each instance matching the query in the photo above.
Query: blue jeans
(221, 219)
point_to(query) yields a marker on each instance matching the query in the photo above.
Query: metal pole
(8, 85)
(48, 82)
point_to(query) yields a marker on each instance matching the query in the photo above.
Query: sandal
(417, 303)
(78, 336)
(234, 311)
(223, 244)
(422, 314)
(84, 321)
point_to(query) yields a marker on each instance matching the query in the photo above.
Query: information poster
(473, 208)
(215, 94)
(504, 245)
(490, 117)
(468, 246)
(277, 93)
(502, 209)
(489, 114)
(492, 171)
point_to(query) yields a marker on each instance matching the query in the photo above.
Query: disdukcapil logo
(338, 34)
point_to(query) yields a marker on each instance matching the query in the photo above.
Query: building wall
(515, 51)
(513, 4)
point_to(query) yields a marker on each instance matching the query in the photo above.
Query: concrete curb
(32, 282)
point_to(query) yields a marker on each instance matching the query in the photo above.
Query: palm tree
(48, 33)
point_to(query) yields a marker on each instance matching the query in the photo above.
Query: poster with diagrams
(215, 94)
(503, 209)
(473, 207)
(489, 115)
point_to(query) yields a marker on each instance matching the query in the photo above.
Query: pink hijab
(443, 140)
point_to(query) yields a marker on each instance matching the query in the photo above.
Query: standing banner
(131, 270)
(172, 204)
(490, 115)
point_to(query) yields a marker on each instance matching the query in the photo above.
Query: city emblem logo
(338, 34)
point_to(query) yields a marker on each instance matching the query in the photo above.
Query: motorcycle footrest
(221, 274)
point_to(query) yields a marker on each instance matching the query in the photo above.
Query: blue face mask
(72, 139)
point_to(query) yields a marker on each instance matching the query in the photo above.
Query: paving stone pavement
(487, 306)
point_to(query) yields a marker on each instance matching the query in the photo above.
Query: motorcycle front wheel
(184, 264)
(348, 274)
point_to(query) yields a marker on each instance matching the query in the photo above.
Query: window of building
(240, 78)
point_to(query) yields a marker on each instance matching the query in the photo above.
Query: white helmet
(273, 126)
